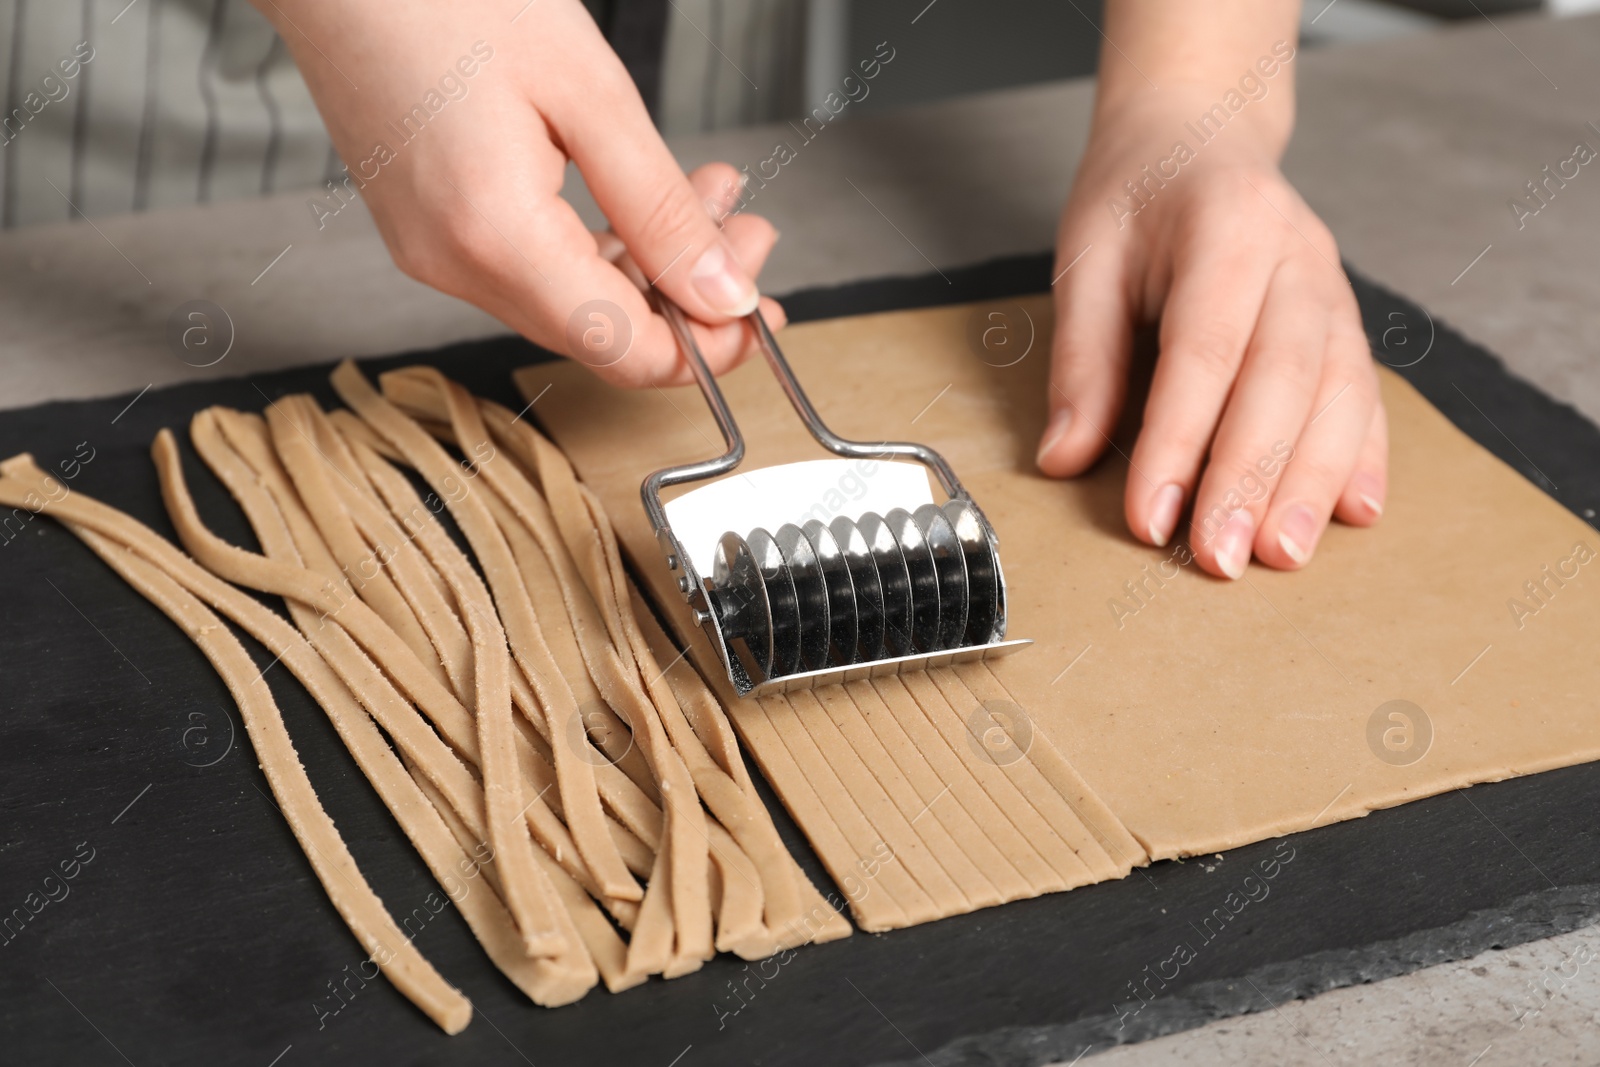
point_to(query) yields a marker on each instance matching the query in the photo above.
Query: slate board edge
(1529, 918)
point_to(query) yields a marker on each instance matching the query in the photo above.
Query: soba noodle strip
(311, 470)
(266, 516)
(23, 485)
(596, 949)
(528, 893)
(691, 903)
(391, 546)
(575, 776)
(453, 567)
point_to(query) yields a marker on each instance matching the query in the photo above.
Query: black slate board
(196, 933)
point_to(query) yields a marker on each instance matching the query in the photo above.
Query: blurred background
(186, 101)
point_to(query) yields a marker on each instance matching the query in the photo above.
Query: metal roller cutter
(888, 582)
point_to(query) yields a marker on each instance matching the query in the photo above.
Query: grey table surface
(1409, 148)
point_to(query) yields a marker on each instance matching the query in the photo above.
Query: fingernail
(723, 283)
(1297, 533)
(1057, 428)
(1233, 543)
(1164, 514)
(1367, 490)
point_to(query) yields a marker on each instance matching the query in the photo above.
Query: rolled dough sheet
(1204, 714)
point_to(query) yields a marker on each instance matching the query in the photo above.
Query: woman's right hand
(471, 205)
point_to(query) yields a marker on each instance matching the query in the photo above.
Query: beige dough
(442, 553)
(723, 784)
(413, 649)
(560, 980)
(1203, 714)
(851, 721)
(575, 775)
(528, 894)
(691, 911)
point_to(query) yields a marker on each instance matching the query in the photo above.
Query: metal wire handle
(693, 472)
(690, 472)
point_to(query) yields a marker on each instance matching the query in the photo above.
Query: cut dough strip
(544, 825)
(724, 781)
(686, 833)
(570, 741)
(108, 533)
(311, 468)
(258, 493)
(997, 880)
(388, 945)
(1085, 803)
(951, 726)
(528, 893)
(447, 560)
(948, 766)
(549, 983)
(795, 913)
(399, 636)
(899, 834)
(575, 776)
(967, 882)
(585, 530)
(546, 982)
(1039, 793)
(908, 903)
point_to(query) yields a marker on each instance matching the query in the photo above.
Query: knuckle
(1215, 350)
(1185, 442)
(439, 250)
(1320, 470)
(460, 238)
(417, 259)
(1250, 475)
(672, 217)
(1297, 368)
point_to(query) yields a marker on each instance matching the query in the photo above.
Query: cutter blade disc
(983, 571)
(782, 602)
(895, 578)
(739, 596)
(811, 595)
(864, 576)
(843, 625)
(924, 579)
(950, 564)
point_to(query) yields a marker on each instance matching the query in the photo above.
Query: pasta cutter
(806, 574)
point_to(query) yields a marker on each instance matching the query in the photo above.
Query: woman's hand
(1264, 412)
(463, 172)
